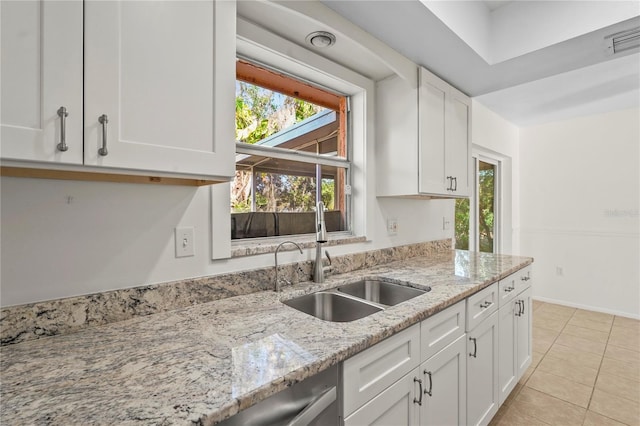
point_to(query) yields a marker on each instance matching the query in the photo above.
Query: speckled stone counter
(204, 363)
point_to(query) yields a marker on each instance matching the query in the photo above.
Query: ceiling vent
(622, 41)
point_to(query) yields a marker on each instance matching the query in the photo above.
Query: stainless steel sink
(382, 292)
(331, 306)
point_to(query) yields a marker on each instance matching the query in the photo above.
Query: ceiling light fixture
(624, 40)
(321, 39)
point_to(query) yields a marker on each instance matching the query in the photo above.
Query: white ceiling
(529, 61)
(495, 4)
(513, 50)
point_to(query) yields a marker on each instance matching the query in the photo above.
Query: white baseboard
(588, 308)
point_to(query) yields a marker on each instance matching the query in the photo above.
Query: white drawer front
(438, 331)
(481, 305)
(375, 369)
(508, 289)
(523, 279)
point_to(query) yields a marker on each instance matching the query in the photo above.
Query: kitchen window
(291, 153)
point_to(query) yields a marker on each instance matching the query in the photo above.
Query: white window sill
(255, 246)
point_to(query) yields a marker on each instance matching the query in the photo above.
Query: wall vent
(622, 41)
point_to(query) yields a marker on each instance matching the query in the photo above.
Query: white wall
(579, 186)
(493, 135)
(64, 238)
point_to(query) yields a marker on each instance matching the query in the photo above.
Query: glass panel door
(476, 218)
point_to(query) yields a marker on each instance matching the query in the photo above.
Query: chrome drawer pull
(485, 305)
(103, 119)
(419, 401)
(428, 392)
(63, 114)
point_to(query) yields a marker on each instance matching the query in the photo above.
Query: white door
(524, 336)
(163, 75)
(41, 72)
(445, 377)
(482, 371)
(507, 357)
(432, 100)
(398, 405)
(458, 146)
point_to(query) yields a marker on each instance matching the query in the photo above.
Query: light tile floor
(585, 371)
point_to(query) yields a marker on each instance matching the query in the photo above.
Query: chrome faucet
(321, 237)
(277, 284)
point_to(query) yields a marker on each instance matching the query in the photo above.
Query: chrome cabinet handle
(419, 401)
(455, 179)
(509, 289)
(63, 114)
(475, 347)
(518, 310)
(103, 119)
(485, 305)
(522, 304)
(450, 179)
(428, 392)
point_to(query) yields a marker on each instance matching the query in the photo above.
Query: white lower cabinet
(515, 331)
(454, 368)
(524, 333)
(395, 406)
(482, 371)
(445, 376)
(508, 371)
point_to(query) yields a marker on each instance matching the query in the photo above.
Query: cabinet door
(164, 75)
(432, 102)
(458, 146)
(523, 333)
(482, 372)
(507, 359)
(445, 390)
(396, 406)
(41, 71)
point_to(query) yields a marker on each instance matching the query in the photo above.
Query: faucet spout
(277, 283)
(321, 232)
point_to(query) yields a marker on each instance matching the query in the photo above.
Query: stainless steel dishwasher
(312, 402)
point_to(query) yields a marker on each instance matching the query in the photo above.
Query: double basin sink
(353, 301)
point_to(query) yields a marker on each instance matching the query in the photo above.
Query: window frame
(271, 78)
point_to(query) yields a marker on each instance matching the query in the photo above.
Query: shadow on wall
(62, 238)
(269, 224)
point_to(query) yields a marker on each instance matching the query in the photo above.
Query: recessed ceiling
(564, 37)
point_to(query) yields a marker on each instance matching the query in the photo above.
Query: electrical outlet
(559, 271)
(392, 226)
(185, 242)
(446, 224)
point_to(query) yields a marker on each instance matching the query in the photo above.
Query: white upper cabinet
(163, 73)
(159, 84)
(445, 138)
(41, 74)
(423, 138)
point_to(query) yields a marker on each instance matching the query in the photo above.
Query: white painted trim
(581, 232)
(586, 307)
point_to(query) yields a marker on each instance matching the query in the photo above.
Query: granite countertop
(204, 363)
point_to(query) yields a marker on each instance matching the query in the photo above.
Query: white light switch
(185, 242)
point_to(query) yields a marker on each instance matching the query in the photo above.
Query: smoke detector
(321, 39)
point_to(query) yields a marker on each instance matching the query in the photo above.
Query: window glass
(291, 154)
